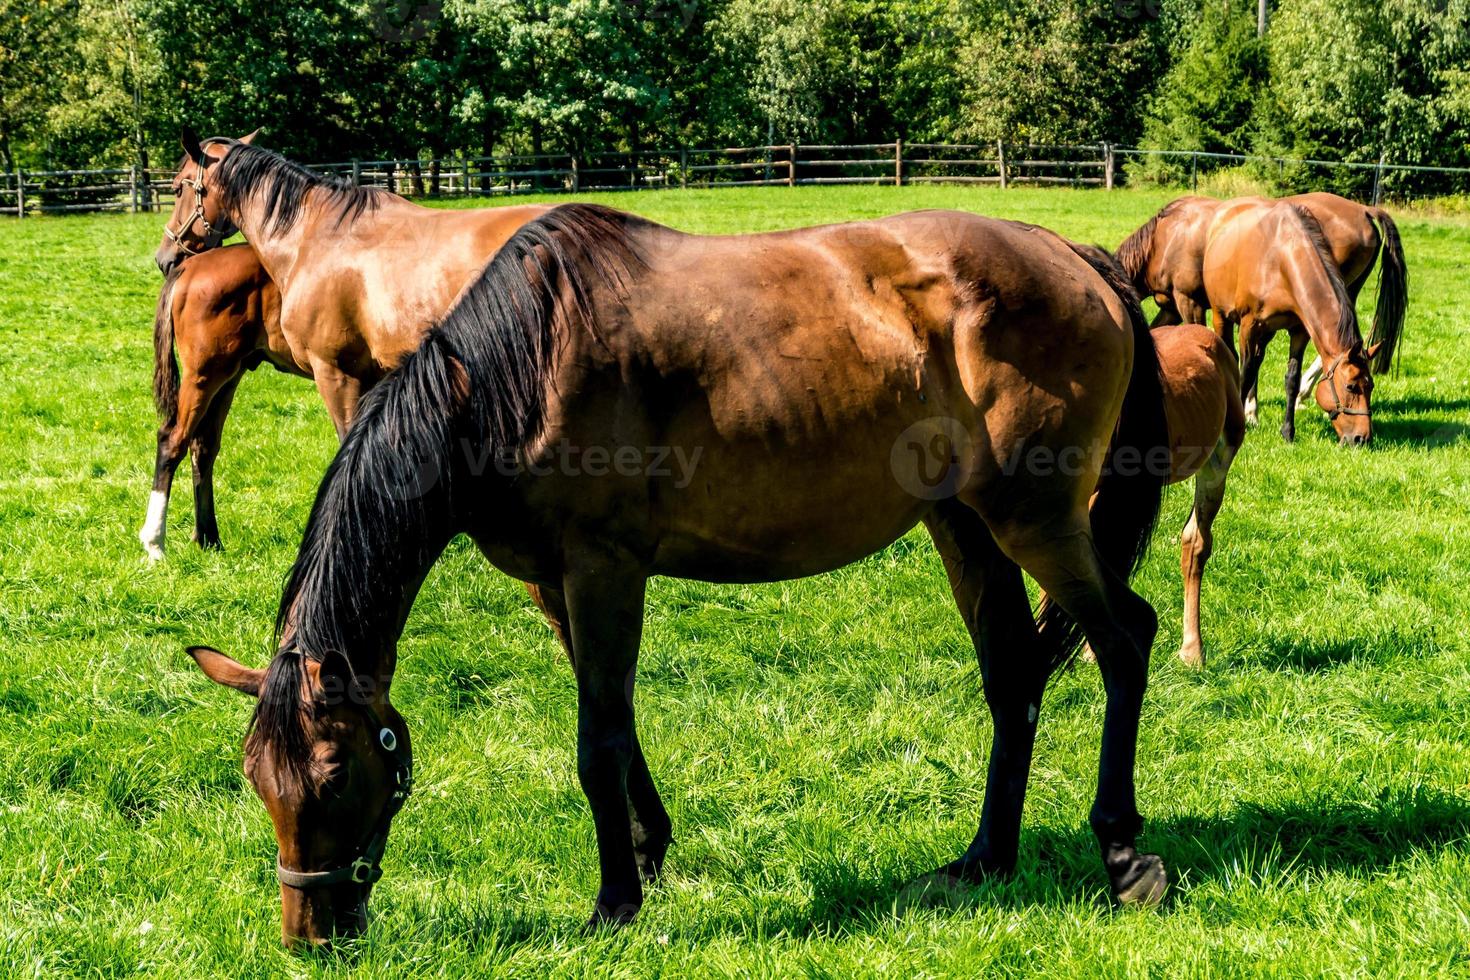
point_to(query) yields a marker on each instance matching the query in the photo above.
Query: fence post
(356, 172)
(791, 165)
(1000, 159)
(20, 193)
(898, 162)
(1378, 181)
(1194, 171)
(133, 188)
(576, 175)
(684, 168)
(1108, 166)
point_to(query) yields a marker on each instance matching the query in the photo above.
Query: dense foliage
(107, 81)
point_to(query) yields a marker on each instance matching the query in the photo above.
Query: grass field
(819, 742)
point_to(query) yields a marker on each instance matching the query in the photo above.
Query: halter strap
(1337, 406)
(198, 215)
(366, 868)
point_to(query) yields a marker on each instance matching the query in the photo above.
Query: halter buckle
(363, 871)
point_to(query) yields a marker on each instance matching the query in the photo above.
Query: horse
(361, 272)
(1201, 383)
(222, 314)
(1206, 430)
(838, 385)
(1353, 234)
(1267, 268)
(1164, 259)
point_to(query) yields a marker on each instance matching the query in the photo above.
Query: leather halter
(1337, 406)
(177, 237)
(365, 869)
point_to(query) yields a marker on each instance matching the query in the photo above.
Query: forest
(109, 82)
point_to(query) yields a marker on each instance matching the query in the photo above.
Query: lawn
(819, 743)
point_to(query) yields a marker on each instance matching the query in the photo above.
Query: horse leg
(1189, 311)
(1121, 627)
(1198, 541)
(1253, 351)
(652, 831)
(1311, 377)
(196, 391)
(202, 451)
(992, 600)
(339, 390)
(1225, 330)
(604, 599)
(1298, 339)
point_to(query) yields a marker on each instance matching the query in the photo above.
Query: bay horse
(1206, 430)
(1165, 259)
(361, 272)
(839, 385)
(1268, 268)
(222, 315)
(1202, 403)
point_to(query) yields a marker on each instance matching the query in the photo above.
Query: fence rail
(897, 163)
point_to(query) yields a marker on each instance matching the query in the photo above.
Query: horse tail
(1393, 293)
(165, 363)
(1131, 490)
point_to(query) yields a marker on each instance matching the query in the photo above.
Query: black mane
(1347, 314)
(387, 504)
(248, 170)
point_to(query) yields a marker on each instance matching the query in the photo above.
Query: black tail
(165, 364)
(1393, 293)
(1132, 486)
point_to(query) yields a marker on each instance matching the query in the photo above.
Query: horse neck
(279, 249)
(1319, 304)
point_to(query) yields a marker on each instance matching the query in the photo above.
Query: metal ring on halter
(365, 869)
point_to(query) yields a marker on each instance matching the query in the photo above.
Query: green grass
(819, 742)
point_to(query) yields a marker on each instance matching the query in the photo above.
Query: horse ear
(1372, 352)
(222, 670)
(249, 137)
(190, 140)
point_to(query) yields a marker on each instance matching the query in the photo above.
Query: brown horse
(1269, 268)
(1206, 429)
(222, 314)
(1165, 259)
(361, 272)
(1352, 232)
(837, 385)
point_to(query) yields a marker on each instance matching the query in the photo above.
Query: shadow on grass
(1311, 655)
(1062, 867)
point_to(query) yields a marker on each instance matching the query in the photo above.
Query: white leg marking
(155, 525)
(1311, 377)
(1250, 409)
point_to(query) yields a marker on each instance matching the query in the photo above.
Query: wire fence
(898, 163)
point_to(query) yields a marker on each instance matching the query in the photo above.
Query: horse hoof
(610, 917)
(1288, 433)
(651, 860)
(1143, 884)
(153, 551)
(1192, 655)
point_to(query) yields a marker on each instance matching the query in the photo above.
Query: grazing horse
(1269, 268)
(837, 385)
(1352, 232)
(1206, 429)
(361, 272)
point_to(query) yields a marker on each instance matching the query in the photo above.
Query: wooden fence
(896, 164)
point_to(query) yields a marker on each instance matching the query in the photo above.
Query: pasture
(820, 743)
